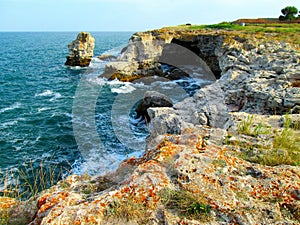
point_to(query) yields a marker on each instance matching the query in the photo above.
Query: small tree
(289, 13)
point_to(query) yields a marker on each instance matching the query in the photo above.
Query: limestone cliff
(226, 155)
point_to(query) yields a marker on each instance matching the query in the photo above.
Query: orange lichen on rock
(6, 202)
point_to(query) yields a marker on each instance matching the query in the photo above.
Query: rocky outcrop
(256, 75)
(152, 99)
(228, 154)
(81, 50)
(131, 71)
(261, 79)
(138, 59)
(233, 190)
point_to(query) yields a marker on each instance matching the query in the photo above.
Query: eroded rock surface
(152, 99)
(230, 144)
(81, 50)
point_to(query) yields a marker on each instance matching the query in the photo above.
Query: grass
(292, 27)
(285, 148)
(128, 210)
(283, 32)
(28, 181)
(186, 204)
(21, 187)
(248, 127)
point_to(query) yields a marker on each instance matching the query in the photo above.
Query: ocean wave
(96, 80)
(56, 96)
(44, 93)
(43, 109)
(127, 88)
(14, 106)
(49, 93)
(11, 123)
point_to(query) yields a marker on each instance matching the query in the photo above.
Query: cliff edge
(229, 154)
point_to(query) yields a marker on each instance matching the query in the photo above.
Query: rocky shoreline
(229, 154)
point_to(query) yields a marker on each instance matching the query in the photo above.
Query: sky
(128, 15)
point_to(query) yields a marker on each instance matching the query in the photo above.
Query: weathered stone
(152, 99)
(217, 163)
(81, 50)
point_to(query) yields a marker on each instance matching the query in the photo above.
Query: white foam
(44, 93)
(9, 124)
(56, 96)
(49, 93)
(96, 80)
(12, 122)
(68, 115)
(14, 106)
(43, 109)
(36, 140)
(127, 88)
(76, 67)
(97, 64)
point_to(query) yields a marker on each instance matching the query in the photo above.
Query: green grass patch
(248, 127)
(251, 27)
(284, 149)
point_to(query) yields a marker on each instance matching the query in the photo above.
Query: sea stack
(81, 50)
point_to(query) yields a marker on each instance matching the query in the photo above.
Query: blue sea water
(68, 117)
(37, 93)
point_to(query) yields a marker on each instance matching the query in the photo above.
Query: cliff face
(226, 155)
(257, 75)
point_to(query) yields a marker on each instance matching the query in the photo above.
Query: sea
(68, 117)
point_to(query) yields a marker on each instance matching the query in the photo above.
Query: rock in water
(81, 50)
(152, 99)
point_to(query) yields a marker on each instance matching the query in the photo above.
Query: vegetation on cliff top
(287, 32)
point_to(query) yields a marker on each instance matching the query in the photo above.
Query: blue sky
(128, 15)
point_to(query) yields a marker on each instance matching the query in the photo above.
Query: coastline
(214, 145)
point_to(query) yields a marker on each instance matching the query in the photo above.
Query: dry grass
(128, 211)
(26, 182)
(186, 204)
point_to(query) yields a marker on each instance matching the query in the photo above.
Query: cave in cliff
(203, 47)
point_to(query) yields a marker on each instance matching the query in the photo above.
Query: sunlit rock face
(81, 50)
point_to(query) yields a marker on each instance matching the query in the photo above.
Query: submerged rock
(81, 50)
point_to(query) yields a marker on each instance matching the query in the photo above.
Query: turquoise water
(69, 117)
(37, 93)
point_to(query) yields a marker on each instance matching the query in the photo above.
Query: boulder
(152, 99)
(81, 50)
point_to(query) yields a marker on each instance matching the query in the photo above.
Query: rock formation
(229, 154)
(152, 99)
(81, 50)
